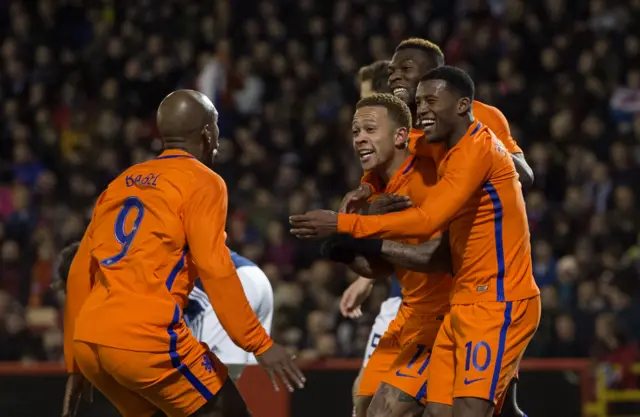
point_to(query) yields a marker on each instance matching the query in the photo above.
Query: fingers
(274, 381)
(302, 233)
(398, 206)
(355, 313)
(284, 378)
(294, 372)
(299, 220)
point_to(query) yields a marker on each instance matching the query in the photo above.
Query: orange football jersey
(154, 230)
(479, 199)
(421, 292)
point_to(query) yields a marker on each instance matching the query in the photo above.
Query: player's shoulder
(492, 117)
(482, 110)
(177, 171)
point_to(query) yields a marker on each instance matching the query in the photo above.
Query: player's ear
(402, 138)
(464, 105)
(207, 136)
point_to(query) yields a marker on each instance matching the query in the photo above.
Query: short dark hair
(457, 80)
(65, 259)
(396, 108)
(431, 49)
(378, 74)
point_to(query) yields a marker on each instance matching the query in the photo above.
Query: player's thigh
(228, 402)
(472, 407)
(179, 382)
(408, 373)
(389, 401)
(379, 364)
(441, 369)
(128, 403)
(490, 340)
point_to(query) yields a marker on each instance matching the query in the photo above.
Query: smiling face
(375, 137)
(405, 70)
(438, 109)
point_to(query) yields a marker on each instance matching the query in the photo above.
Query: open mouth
(426, 123)
(366, 154)
(400, 91)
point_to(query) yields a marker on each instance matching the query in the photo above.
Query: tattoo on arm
(431, 256)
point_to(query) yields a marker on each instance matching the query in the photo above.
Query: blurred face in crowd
(565, 328)
(406, 69)
(375, 137)
(438, 108)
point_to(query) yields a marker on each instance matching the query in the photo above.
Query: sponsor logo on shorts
(471, 381)
(400, 374)
(482, 288)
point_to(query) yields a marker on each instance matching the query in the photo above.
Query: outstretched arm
(431, 256)
(467, 169)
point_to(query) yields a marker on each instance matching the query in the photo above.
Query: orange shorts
(479, 348)
(178, 382)
(402, 355)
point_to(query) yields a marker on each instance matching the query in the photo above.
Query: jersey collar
(174, 153)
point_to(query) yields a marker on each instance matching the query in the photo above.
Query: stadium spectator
(79, 86)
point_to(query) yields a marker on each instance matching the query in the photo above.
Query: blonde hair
(396, 108)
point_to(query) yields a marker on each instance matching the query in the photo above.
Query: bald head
(184, 114)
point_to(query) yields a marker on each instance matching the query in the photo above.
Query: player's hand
(388, 203)
(354, 296)
(78, 387)
(276, 360)
(314, 224)
(355, 200)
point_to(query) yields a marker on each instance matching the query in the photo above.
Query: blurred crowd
(79, 86)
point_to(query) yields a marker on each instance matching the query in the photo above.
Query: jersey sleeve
(499, 125)
(467, 169)
(204, 220)
(79, 284)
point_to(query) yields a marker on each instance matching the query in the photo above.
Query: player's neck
(459, 131)
(178, 144)
(389, 169)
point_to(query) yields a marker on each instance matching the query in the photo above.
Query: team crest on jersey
(498, 145)
(207, 364)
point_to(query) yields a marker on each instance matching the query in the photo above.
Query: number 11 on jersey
(126, 239)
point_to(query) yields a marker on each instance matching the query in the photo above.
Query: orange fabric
(154, 383)
(134, 269)
(488, 115)
(408, 372)
(401, 357)
(478, 198)
(479, 348)
(420, 292)
(404, 348)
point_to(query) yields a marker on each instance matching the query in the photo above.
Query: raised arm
(204, 220)
(466, 171)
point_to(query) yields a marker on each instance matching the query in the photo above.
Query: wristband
(339, 248)
(370, 247)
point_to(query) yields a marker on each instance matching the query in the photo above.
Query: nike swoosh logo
(471, 381)
(400, 374)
